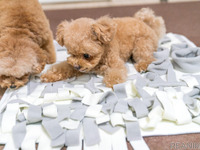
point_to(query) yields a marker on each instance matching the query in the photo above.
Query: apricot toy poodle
(26, 41)
(103, 46)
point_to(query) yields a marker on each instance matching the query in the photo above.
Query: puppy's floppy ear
(104, 29)
(60, 32)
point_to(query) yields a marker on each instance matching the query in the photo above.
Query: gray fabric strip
(58, 141)
(53, 128)
(180, 46)
(121, 106)
(91, 132)
(171, 76)
(156, 81)
(187, 60)
(190, 98)
(47, 89)
(108, 108)
(21, 117)
(108, 97)
(107, 127)
(78, 113)
(133, 131)
(108, 100)
(18, 133)
(90, 86)
(52, 87)
(63, 112)
(160, 66)
(56, 85)
(32, 86)
(140, 81)
(147, 99)
(139, 107)
(75, 104)
(72, 137)
(162, 53)
(120, 90)
(34, 114)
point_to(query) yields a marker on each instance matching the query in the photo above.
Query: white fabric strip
(33, 132)
(154, 117)
(102, 118)
(5, 99)
(9, 117)
(92, 99)
(50, 111)
(119, 140)
(116, 119)
(93, 111)
(139, 145)
(69, 124)
(107, 143)
(169, 112)
(10, 145)
(181, 112)
(190, 81)
(91, 147)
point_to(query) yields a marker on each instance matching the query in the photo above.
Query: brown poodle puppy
(103, 46)
(26, 41)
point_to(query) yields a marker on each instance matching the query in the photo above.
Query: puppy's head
(86, 40)
(17, 61)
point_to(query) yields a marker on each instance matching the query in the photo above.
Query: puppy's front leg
(59, 72)
(115, 74)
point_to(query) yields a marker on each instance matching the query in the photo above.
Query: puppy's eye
(86, 56)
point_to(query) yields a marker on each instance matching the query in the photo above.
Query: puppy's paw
(113, 77)
(38, 68)
(51, 76)
(141, 66)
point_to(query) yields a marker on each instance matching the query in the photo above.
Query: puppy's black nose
(13, 86)
(77, 67)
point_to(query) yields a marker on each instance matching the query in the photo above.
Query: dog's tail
(155, 22)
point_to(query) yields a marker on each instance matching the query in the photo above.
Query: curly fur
(26, 42)
(109, 42)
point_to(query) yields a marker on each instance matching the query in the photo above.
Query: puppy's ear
(104, 29)
(60, 32)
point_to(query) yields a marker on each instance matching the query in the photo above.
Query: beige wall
(102, 3)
